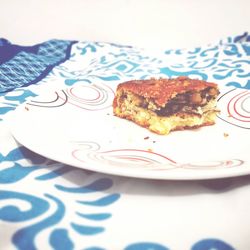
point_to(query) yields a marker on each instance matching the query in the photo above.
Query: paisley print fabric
(49, 205)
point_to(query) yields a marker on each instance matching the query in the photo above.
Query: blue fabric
(245, 37)
(25, 65)
(73, 208)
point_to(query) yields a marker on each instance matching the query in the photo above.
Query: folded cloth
(25, 65)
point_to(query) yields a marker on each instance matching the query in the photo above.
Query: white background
(144, 23)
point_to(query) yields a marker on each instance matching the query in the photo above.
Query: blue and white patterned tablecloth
(50, 205)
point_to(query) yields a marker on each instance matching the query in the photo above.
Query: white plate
(76, 126)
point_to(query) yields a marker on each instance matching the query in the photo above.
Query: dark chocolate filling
(188, 102)
(185, 103)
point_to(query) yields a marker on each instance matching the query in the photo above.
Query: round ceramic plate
(76, 126)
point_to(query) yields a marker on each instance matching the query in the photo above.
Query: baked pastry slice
(164, 105)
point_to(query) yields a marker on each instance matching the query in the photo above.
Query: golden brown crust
(194, 127)
(166, 105)
(162, 90)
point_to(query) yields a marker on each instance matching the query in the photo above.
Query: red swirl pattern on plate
(90, 97)
(55, 100)
(89, 153)
(213, 164)
(235, 108)
(129, 158)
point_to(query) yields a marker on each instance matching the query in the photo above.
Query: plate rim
(164, 175)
